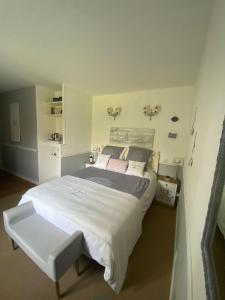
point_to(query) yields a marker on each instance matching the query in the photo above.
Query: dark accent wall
(21, 162)
(20, 157)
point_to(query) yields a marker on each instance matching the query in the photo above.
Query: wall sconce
(150, 112)
(114, 113)
(174, 118)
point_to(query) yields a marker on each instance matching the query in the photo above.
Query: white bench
(53, 250)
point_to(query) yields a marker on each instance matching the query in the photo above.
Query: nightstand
(88, 164)
(166, 190)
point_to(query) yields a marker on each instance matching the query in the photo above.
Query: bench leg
(14, 245)
(76, 265)
(57, 289)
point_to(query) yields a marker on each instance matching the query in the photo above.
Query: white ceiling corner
(102, 46)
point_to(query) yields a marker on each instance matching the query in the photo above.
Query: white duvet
(110, 220)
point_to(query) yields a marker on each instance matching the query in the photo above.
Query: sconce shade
(150, 112)
(109, 109)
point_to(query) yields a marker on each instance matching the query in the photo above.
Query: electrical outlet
(172, 135)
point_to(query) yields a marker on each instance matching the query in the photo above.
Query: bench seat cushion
(53, 250)
(38, 236)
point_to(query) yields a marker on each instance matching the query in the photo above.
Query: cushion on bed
(102, 161)
(139, 154)
(114, 151)
(136, 168)
(117, 165)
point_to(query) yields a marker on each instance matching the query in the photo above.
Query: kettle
(55, 136)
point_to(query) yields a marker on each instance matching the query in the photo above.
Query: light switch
(172, 135)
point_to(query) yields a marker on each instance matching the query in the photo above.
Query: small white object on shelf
(14, 110)
(56, 108)
(166, 190)
(88, 164)
(54, 142)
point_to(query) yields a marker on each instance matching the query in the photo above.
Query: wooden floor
(149, 271)
(10, 184)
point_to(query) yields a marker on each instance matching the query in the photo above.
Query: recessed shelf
(56, 115)
(54, 142)
(56, 103)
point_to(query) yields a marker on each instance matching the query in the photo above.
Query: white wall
(198, 178)
(48, 164)
(45, 123)
(77, 121)
(177, 101)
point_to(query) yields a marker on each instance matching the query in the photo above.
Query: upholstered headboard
(142, 137)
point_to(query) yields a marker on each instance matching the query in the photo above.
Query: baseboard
(171, 297)
(20, 176)
(189, 263)
(172, 277)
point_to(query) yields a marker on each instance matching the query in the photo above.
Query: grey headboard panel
(132, 136)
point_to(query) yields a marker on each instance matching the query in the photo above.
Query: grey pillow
(139, 154)
(114, 151)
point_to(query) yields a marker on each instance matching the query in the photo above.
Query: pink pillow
(117, 165)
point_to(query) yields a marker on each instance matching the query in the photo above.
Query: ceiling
(102, 46)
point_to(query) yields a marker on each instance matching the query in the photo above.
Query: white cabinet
(49, 161)
(166, 190)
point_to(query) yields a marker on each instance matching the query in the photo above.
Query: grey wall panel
(20, 161)
(71, 164)
(180, 275)
(0, 155)
(17, 160)
(26, 98)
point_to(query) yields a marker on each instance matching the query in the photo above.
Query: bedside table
(88, 164)
(166, 190)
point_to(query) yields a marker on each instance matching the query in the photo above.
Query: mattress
(110, 219)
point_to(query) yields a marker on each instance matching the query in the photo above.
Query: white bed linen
(110, 220)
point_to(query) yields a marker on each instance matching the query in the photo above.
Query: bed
(108, 207)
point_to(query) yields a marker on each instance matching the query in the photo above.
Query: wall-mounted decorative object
(14, 109)
(193, 123)
(150, 112)
(174, 118)
(114, 112)
(190, 163)
(132, 136)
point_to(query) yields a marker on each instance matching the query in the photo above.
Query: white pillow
(136, 168)
(102, 161)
